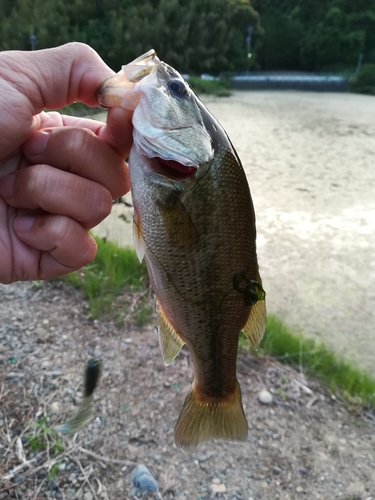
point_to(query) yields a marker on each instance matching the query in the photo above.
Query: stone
(265, 397)
(218, 488)
(143, 479)
(88, 496)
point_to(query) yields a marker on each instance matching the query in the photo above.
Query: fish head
(167, 118)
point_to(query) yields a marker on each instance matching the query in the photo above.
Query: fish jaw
(167, 124)
(119, 91)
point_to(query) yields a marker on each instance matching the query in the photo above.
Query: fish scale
(197, 234)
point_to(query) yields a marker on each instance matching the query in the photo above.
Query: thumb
(51, 78)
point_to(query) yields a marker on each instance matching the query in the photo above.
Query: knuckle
(101, 204)
(79, 142)
(36, 182)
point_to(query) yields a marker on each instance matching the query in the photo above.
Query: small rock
(55, 407)
(218, 488)
(72, 478)
(216, 480)
(128, 341)
(143, 479)
(299, 489)
(42, 333)
(88, 496)
(277, 470)
(265, 397)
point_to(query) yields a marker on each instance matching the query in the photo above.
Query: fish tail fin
(204, 418)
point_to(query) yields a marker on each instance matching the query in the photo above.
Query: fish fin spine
(139, 242)
(203, 418)
(169, 340)
(255, 325)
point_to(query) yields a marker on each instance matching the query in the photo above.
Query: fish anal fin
(169, 340)
(139, 242)
(256, 323)
(203, 418)
(177, 222)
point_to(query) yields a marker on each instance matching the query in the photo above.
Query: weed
(112, 270)
(315, 359)
(45, 438)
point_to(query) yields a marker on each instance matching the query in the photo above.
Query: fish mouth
(172, 169)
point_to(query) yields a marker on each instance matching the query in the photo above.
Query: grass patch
(212, 87)
(113, 270)
(316, 360)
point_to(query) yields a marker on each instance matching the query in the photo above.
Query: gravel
(295, 449)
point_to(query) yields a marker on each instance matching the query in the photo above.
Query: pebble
(299, 489)
(88, 496)
(55, 407)
(218, 488)
(42, 333)
(277, 470)
(143, 479)
(265, 397)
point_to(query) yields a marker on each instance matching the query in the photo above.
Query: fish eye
(177, 87)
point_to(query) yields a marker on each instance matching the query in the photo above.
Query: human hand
(58, 174)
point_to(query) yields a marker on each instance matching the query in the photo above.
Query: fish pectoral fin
(169, 340)
(204, 418)
(139, 242)
(256, 323)
(177, 222)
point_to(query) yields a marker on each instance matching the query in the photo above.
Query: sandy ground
(309, 159)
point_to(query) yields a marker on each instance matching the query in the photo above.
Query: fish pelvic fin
(255, 325)
(203, 418)
(169, 340)
(139, 242)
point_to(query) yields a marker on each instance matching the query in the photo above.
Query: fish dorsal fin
(256, 323)
(139, 242)
(169, 340)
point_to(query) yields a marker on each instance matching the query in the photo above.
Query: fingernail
(23, 223)
(37, 143)
(7, 186)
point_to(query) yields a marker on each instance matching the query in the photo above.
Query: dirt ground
(310, 161)
(306, 444)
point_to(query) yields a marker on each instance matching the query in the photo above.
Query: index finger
(117, 131)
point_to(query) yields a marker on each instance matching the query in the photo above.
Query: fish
(84, 413)
(194, 223)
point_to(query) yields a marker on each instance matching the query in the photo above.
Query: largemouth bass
(194, 223)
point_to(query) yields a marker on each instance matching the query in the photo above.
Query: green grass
(212, 87)
(113, 270)
(316, 360)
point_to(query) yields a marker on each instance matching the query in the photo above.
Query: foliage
(113, 270)
(364, 81)
(212, 87)
(315, 359)
(191, 35)
(316, 34)
(43, 438)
